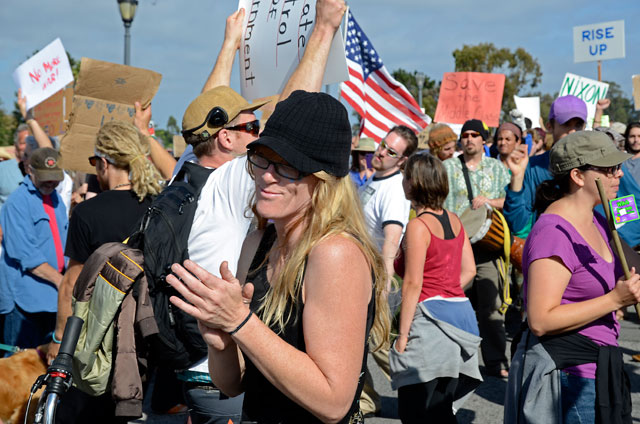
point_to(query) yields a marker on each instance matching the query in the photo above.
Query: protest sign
(470, 95)
(274, 38)
(178, 145)
(586, 89)
(530, 108)
(44, 73)
(53, 113)
(600, 41)
(636, 91)
(104, 92)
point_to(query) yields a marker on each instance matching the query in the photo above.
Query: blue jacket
(27, 242)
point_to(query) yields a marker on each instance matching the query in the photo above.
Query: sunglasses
(609, 171)
(252, 127)
(390, 152)
(216, 117)
(282, 169)
(468, 134)
(94, 159)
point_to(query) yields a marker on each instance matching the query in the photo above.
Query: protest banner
(44, 73)
(104, 92)
(53, 113)
(530, 108)
(586, 89)
(600, 41)
(275, 36)
(470, 95)
(636, 91)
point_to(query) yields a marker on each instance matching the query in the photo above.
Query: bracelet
(53, 338)
(234, 331)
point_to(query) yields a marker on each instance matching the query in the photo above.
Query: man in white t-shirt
(219, 124)
(386, 211)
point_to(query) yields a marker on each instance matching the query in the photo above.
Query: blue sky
(180, 39)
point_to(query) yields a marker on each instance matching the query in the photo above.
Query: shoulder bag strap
(467, 180)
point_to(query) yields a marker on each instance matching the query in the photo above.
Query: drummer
(487, 177)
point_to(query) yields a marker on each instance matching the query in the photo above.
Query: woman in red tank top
(436, 262)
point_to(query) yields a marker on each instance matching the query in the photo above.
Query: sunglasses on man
(390, 152)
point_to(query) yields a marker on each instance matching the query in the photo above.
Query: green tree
(166, 135)
(430, 89)
(621, 108)
(8, 126)
(522, 70)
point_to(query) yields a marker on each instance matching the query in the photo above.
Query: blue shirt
(10, 178)
(27, 242)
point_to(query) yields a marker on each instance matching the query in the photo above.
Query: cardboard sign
(587, 89)
(470, 95)
(624, 209)
(530, 108)
(275, 35)
(598, 41)
(636, 91)
(53, 113)
(104, 92)
(178, 145)
(44, 73)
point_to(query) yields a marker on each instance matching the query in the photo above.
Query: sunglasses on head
(282, 169)
(390, 152)
(94, 159)
(252, 127)
(468, 134)
(216, 117)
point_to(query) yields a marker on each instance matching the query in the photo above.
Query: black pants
(428, 402)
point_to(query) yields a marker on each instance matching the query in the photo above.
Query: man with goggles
(217, 126)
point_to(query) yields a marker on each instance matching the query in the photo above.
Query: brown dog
(17, 374)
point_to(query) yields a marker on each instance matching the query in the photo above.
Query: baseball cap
(477, 126)
(567, 107)
(310, 131)
(584, 148)
(213, 109)
(44, 163)
(365, 144)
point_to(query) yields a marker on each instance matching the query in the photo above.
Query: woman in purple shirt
(573, 282)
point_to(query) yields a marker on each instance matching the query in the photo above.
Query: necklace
(121, 185)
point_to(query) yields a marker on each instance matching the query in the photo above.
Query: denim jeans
(25, 330)
(578, 399)
(206, 407)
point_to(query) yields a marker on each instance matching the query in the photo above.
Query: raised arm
(159, 155)
(308, 75)
(221, 72)
(41, 137)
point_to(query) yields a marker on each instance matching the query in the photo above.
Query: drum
(484, 227)
(516, 252)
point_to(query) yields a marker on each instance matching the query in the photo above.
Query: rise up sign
(598, 41)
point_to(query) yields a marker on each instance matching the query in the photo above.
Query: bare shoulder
(339, 249)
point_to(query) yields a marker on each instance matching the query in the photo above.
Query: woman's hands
(627, 292)
(219, 304)
(401, 343)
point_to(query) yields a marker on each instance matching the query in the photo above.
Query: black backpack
(163, 235)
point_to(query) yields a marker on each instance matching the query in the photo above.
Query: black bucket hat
(310, 131)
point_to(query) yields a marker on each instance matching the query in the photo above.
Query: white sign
(587, 89)
(530, 108)
(44, 73)
(598, 41)
(275, 35)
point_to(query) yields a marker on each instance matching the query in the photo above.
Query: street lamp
(127, 12)
(420, 81)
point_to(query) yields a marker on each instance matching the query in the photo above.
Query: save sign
(598, 41)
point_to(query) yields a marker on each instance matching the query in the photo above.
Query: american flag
(381, 101)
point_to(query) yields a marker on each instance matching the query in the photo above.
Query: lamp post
(127, 12)
(420, 81)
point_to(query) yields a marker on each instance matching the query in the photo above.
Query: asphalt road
(485, 406)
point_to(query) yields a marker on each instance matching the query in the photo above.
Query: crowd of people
(311, 250)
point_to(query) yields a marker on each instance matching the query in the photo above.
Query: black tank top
(263, 402)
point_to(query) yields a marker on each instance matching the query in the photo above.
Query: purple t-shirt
(591, 275)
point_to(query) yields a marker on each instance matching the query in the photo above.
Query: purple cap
(567, 107)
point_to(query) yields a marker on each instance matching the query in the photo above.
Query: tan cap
(197, 120)
(365, 144)
(44, 163)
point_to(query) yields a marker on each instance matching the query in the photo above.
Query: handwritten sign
(53, 113)
(44, 74)
(470, 95)
(598, 41)
(624, 209)
(275, 36)
(104, 92)
(530, 108)
(636, 91)
(586, 89)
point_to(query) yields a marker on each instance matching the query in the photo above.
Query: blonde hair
(334, 210)
(127, 148)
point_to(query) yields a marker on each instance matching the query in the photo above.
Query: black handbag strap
(467, 180)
